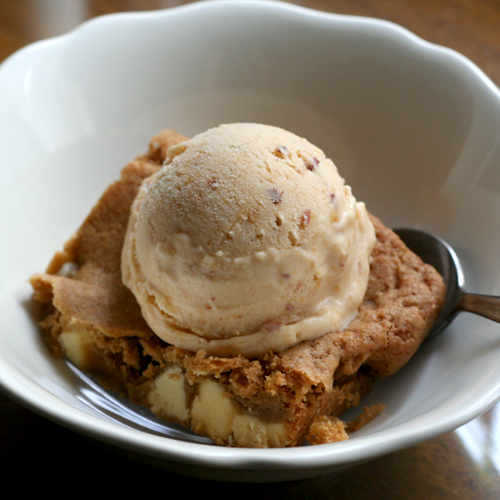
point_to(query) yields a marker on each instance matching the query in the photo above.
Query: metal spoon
(438, 253)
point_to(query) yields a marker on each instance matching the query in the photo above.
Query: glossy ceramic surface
(411, 126)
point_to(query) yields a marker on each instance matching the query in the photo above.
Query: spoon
(438, 253)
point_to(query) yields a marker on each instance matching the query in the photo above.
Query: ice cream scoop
(246, 240)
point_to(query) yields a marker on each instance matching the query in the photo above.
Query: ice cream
(246, 240)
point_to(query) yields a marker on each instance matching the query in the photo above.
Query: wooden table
(463, 464)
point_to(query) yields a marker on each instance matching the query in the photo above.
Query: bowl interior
(412, 128)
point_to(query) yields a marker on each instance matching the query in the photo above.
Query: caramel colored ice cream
(246, 240)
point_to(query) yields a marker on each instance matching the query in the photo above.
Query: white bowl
(413, 128)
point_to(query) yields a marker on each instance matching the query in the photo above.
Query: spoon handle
(483, 305)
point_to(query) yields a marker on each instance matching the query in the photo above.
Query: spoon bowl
(439, 254)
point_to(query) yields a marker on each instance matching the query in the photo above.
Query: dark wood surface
(463, 464)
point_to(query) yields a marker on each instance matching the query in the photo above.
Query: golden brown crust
(327, 428)
(94, 295)
(319, 377)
